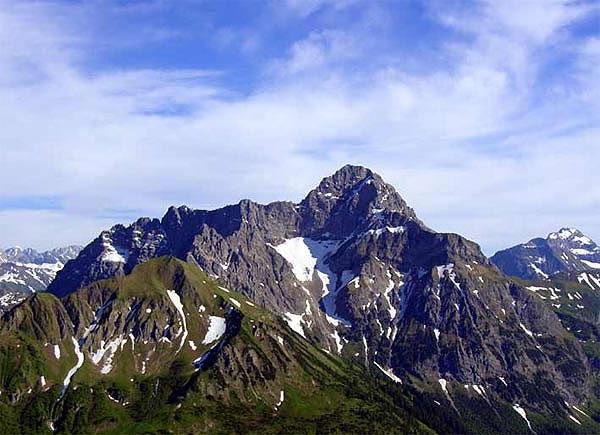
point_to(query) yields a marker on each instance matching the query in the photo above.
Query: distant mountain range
(567, 250)
(343, 313)
(25, 271)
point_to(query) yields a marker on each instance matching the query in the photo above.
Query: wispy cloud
(490, 130)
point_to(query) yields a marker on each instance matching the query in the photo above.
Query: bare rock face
(353, 269)
(114, 252)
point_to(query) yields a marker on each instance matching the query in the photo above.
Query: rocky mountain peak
(357, 182)
(565, 233)
(565, 250)
(347, 177)
(174, 215)
(352, 199)
(573, 238)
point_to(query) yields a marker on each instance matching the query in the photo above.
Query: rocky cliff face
(352, 269)
(567, 250)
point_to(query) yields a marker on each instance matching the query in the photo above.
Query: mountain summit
(353, 270)
(566, 250)
(350, 200)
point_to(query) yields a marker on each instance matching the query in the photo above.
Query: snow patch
(73, 370)
(176, 300)
(591, 264)
(112, 348)
(579, 410)
(294, 321)
(574, 419)
(527, 331)
(307, 257)
(392, 230)
(595, 280)
(449, 268)
(281, 399)
(56, 351)
(479, 389)
(216, 329)
(389, 373)
(444, 385)
(355, 282)
(296, 252)
(523, 414)
(132, 338)
(386, 295)
(338, 341)
(113, 254)
(581, 251)
(538, 271)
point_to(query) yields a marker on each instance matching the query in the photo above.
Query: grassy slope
(323, 394)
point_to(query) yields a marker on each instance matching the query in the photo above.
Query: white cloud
(43, 229)
(464, 144)
(304, 8)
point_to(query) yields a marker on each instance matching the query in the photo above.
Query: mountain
(31, 256)
(353, 270)
(24, 271)
(575, 297)
(165, 350)
(567, 250)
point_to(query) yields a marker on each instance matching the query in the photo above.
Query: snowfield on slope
(216, 329)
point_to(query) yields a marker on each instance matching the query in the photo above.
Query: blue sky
(484, 115)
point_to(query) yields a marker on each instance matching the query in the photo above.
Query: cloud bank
(484, 117)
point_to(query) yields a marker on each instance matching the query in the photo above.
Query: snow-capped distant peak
(25, 270)
(567, 249)
(565, 234)
(574, 240)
